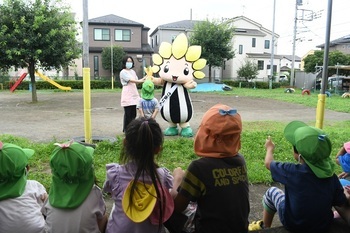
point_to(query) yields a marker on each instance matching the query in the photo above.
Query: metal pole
(112, 63)
(273, 43)
(326, 48)
(322, 96)
(294, 41)
(86, 75)
(85, 34)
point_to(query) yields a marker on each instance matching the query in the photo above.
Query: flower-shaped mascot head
(177, 65)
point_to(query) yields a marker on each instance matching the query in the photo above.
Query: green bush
(43, 85)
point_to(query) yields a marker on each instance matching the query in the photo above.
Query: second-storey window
(123, 35)
(240, 49)
(253, 42)
(267, 44)
(101, 34)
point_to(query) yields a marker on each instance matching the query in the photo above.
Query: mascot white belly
(178, 108)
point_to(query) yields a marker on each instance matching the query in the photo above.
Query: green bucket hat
(72, 174)
(313, 145)
(147, 91)
(13, 162)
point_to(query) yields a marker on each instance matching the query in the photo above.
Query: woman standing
(130, 96)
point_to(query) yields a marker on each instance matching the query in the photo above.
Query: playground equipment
(305, 91)
(45, 78)
(13, 88)
(346, 95)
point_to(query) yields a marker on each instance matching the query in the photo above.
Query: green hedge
(105, 84)
(42, 85)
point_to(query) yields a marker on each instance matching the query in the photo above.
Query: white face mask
(128, 65)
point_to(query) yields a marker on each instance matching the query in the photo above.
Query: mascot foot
(171, 131)
(187, 132)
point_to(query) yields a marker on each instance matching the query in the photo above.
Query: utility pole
(273, 44)
(297, 2)
(112, 50)
(309, 17)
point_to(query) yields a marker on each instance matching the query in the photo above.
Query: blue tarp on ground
(206, 87)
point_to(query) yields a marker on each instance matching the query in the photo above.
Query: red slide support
(13, 88)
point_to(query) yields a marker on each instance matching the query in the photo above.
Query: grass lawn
(179, 151)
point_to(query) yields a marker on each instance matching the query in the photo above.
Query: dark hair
(295, 150)
(143, 139)
(125, 58)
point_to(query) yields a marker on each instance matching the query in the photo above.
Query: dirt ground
(60, 116)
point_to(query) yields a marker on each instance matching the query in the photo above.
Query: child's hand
(269, 144)
(343, 175)
(347, 192)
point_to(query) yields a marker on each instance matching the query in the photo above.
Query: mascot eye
(166, 69)
(186, 71)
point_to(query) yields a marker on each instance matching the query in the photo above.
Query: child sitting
(75, 203)
(20, 199)
(138, 186)
(311, 187)
(343, 159)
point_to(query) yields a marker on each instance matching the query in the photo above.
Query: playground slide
(53, 82)
(13, 88)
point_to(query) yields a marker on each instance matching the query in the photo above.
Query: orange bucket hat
(219, 134)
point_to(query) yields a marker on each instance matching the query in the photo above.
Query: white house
(287, 60)
(251, 41)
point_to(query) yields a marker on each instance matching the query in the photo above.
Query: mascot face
(176, 71)
(178, 63)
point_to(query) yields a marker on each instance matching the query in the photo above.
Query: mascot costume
(177, 65)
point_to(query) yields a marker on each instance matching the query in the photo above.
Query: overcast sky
(157, 12)
(152, 13)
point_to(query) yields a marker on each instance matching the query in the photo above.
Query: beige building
(110, 30)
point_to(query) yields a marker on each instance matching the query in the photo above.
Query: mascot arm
(190, 84)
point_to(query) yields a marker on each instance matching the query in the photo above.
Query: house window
(152, 43)
(274, 68)
(260, 65)
(96, 66)
(101, 34)
(122, 34)
(267, 44)
(157, 40)
(240, 49)
(253, 42)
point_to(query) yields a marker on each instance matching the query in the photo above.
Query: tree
(248, 71)
(215, 38)
(37, 34)
(118, 54)
(334, 58)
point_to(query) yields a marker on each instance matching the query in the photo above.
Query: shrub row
(102, 84)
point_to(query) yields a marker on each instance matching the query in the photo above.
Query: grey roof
(145, 49)
(186, 24)
(290, 57)
(247, 31)
(113, 19)
(179, 25)
(341, 40)
(262, 55)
